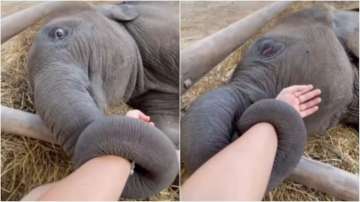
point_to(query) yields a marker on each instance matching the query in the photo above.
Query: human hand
(303, 98)
(137, 114)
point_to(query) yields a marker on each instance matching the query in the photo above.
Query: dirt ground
(339, 147)
(200, 19)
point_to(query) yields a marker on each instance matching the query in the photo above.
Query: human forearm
(224, 176)
(101, 178)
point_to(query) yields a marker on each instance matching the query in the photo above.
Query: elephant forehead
(303, 24)
(309, 42)
(71, 21)
(309, 16)
(308, 52)
(83, 19)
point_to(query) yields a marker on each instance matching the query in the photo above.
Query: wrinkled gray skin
(313, 46)
(84, 62)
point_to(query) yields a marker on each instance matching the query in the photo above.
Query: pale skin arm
(102, 178)
(238, 172)
(241, 171)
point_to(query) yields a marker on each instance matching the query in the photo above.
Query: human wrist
(266, 126)
(112, 161)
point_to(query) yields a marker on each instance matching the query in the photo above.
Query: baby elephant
(314, 46)
(92, 58)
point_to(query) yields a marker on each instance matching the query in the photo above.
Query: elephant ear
(119, 12)
(346, 27)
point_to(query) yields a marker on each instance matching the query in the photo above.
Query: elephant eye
(58, 33)
(268, 48)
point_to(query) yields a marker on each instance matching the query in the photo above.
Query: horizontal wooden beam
(17, 22)
(24, 123)
(327, 178)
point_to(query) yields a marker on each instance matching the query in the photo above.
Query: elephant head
(79, 64)
(301, 49)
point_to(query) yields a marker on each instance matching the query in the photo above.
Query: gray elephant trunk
(209, 124)
(63, 100)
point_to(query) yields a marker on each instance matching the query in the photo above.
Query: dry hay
(340, 147)
(26, 162)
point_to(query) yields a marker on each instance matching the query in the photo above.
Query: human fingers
(137, 114)
(144, 117)
(311, 103)
(298, 88)
(304, 90)
(133, 114)
(309, 111)
(309, 95)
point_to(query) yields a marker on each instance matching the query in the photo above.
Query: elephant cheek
(291, 133)
(207, 126)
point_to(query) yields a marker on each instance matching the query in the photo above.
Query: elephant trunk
(290, 130)
(64, 99)
(208, 125)
(203, 55)
(154, 155)
(62, 96)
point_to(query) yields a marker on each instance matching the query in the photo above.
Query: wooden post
(326, 178)
(17, 22)
(25, 124)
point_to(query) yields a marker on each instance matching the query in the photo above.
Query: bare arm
(239, 172)
(101, 178)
